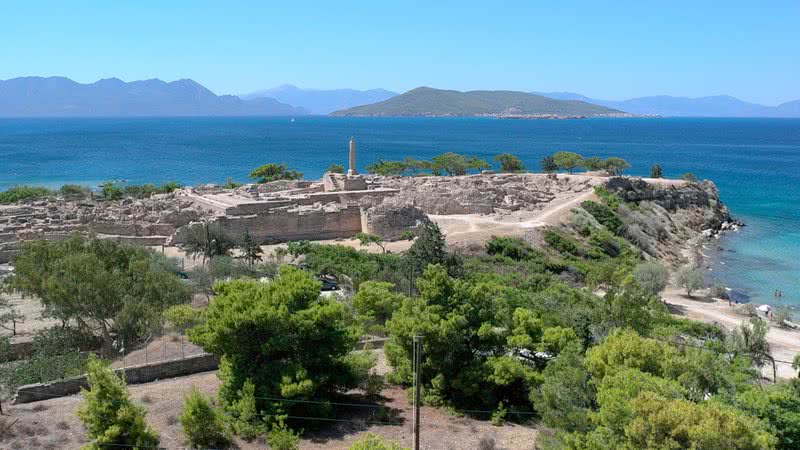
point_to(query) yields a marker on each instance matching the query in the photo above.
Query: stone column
(352, 169)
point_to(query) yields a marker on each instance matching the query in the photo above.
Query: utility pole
(417, 363)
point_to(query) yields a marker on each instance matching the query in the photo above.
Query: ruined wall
(290, 224)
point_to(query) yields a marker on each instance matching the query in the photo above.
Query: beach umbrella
(765, 308)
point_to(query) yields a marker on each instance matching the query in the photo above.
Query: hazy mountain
(62, 97)
(425, 101)
(665, 105)
(319, 101)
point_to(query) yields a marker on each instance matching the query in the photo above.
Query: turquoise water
(754, 162)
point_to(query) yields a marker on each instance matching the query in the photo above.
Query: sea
(755, 163)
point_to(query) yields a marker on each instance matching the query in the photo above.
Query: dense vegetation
(108, 191)
(445, 164)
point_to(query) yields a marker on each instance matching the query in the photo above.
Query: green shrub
(247, 422)
(281, 437)
(562, 243)
(372, 441)
(74, 191)
(231, 184)
(513, 248)
(19, 193)
(689, 177)
(609, 198)
(203, 425)
(604, 214)
(111, 420)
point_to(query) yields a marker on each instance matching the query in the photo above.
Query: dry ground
(52, 424)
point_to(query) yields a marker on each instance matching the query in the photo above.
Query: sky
(613, 49)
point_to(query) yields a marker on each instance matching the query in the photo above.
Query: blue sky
(606, 49)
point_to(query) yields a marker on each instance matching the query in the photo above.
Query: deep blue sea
(754, 162)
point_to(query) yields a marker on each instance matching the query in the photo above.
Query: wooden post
(417, 354)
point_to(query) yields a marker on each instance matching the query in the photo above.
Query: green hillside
(426, 101)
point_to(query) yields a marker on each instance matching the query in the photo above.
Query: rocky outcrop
(697, 205)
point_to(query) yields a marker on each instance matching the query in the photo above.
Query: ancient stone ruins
(337, 206)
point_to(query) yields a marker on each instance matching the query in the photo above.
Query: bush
(655, 171)
(372, 441)
(510, 247)
(582, 222)
(19, 193)
(509, 163)
(718, 290)
(548, 164)
(108, 414)
(609, 198)
(562, 243)
(640, 239)
(282, 438)
(651, 276)
(202, 424)
(604, 215)
(245, 412)
(689, 177)
(74, 191)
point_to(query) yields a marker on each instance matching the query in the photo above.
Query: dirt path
(467, 228)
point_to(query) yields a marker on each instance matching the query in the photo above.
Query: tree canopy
(274, 172)
(112, 290)
(263, 332)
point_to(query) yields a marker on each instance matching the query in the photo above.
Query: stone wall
(133, 375)
(314, 222)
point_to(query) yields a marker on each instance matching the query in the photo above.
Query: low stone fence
(133, 375)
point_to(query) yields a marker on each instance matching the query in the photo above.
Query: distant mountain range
(665, 105)
(318, 101)
(425, 101)
(62, 97)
